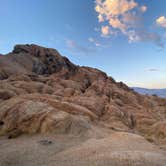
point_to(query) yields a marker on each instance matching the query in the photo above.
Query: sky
(124, 38)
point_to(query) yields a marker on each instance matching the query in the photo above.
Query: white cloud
(96, 42)
(161, 21)
(145, 36)
(125, 16)
(91, 39)
(77, 48)
(105, 30)
(100, 18)
(152, 70)
(143, 8)
(114, 11)
(111, 8)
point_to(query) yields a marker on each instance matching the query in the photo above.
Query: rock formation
(43, 92)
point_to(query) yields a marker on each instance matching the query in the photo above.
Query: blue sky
(124, 38)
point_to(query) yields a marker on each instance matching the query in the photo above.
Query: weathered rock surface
(115, 149)
(43, 92)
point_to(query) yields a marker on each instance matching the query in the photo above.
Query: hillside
(83, 111)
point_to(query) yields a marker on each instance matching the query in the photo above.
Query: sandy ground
(63, 150)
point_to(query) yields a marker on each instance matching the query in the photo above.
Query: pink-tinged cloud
(105, 30)
(125, 16)
(161, 21)
(115, 12)
(143, 8)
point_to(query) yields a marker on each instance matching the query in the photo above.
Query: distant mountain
(158, 92)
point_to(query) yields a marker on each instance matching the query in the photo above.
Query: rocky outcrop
(42, 92)
(32, 58)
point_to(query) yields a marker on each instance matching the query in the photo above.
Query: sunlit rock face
(43, 92)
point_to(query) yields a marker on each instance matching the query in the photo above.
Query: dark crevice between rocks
(1, 123)
(3, 75)
(87, 83)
